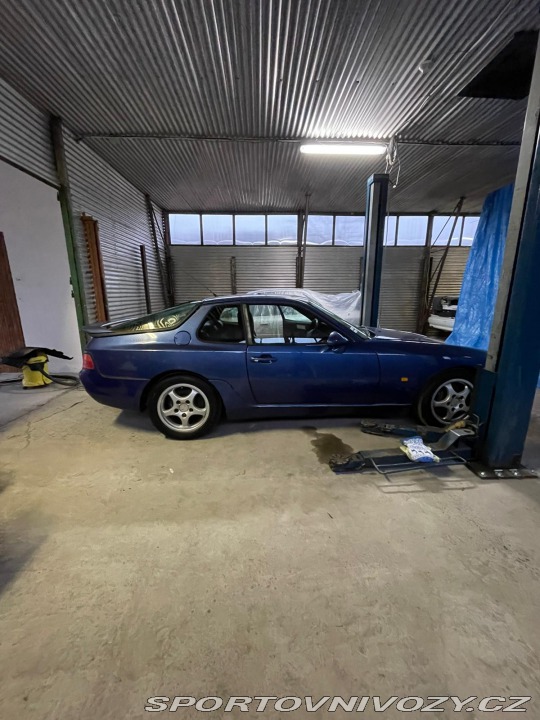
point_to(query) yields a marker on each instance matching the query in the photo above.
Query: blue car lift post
(370, 284)
(383, 461)
(507, 385)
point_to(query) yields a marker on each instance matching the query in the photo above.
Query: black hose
(66, 380)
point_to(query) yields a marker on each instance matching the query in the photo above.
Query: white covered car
(345, 305)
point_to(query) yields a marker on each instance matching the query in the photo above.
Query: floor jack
(453, 446)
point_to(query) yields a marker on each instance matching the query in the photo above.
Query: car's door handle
(263, 359)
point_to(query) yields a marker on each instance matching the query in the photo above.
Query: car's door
(218, 351)
(290, 362)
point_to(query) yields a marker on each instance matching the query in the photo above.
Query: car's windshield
(360, 330)
(168, 319)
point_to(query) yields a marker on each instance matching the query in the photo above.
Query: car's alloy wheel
(451, 400)
(183, 407)
(446, 398)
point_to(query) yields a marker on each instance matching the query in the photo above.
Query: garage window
(442, 226)
(320, 229)
(217, 229)
(349, 230)
(250, 229)
(282, 229)
(412, 230)
(185, 228)
(470, 224)
(390, 230)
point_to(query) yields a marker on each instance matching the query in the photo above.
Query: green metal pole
(64, 198)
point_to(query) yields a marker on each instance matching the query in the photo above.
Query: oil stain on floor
(326, 445)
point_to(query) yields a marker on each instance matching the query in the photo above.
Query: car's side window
(223, 324)
(286, 325)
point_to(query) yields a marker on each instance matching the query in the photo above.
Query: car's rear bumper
(116, 392)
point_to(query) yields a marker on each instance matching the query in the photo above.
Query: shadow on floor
(141, 422)
(16, 401)
(19, 540)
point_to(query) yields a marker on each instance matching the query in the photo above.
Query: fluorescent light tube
(364, 148)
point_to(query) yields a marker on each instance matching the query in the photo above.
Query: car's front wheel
(183, 407)
(446, 398)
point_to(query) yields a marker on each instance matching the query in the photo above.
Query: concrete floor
(17, 401)
(134, 566)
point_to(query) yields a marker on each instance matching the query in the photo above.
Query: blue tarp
(481, 278)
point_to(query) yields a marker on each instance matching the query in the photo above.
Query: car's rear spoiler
(107, 328)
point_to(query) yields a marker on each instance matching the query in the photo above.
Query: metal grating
(400, 287)
(333, 269)
(273, 72)
(25, 136)
(99, 191)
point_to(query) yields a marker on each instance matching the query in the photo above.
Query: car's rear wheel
(183, 407)
(446, 398)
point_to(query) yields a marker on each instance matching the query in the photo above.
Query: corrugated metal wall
(329, 270)
(199, 271)
(121, 212)
(333, 269)
(25, 138)
(265, 267)
(401, 287)
(454, 267)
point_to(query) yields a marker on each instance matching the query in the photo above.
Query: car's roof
(258, 299)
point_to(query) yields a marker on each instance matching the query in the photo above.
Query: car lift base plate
(487, 473)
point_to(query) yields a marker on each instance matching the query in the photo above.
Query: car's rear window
(168, 319)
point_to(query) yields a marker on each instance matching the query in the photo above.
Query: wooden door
(11, 333)
(91, 233)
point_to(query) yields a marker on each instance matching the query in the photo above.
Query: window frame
(393, 240)
(362, 234)
(332, 230)
(425, 239)
(226, 343)
(295, 306)
(465, 217)
(251, 214)
(268, 215)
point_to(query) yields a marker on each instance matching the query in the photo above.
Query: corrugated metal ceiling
(272, 70)
(226, 176)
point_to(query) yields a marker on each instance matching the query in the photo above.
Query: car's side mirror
(336, 340)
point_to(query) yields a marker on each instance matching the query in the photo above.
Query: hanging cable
(393, 161)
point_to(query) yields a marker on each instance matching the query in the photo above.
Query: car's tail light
(88, 362)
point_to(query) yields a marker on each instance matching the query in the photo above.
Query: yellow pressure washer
(34, 363)
(35, 372)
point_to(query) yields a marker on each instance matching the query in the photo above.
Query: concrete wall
(31, 221)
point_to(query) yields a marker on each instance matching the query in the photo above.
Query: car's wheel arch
(443, 372)
(172, 373)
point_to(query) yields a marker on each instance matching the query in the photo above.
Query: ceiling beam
(297, 140)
